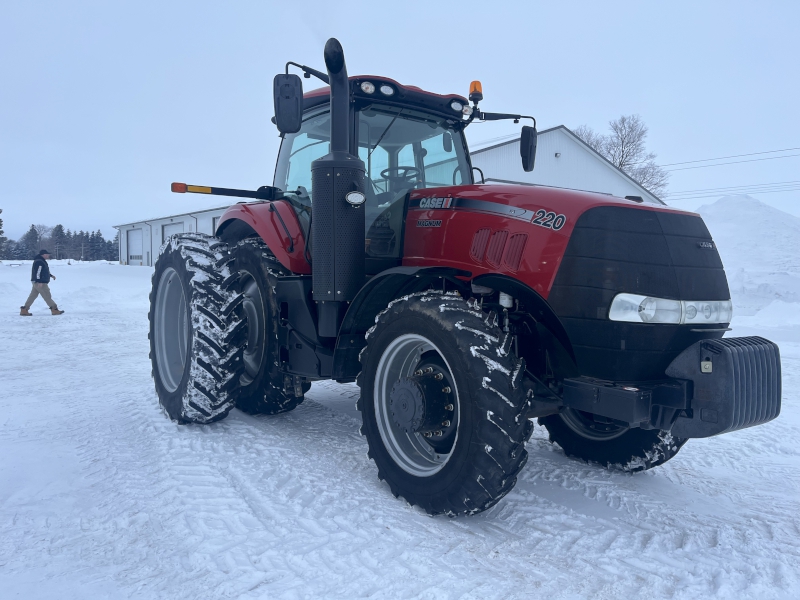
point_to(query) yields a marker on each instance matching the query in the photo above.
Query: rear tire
(612, 446)
(470, 464)
(262, 386)
(191, 326)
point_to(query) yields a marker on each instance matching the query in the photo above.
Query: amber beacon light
(475, 92)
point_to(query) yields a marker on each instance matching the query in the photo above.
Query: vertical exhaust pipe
(337, 227)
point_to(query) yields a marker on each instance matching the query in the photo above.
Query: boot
(55, 311)
(23, 312)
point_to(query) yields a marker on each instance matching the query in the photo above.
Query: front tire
(613, 446)
(445, 350)
(191, 327)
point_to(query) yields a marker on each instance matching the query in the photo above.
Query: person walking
(40, 277)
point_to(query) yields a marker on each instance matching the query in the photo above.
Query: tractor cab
(407, 140)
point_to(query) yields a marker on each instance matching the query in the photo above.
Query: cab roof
(405, 95)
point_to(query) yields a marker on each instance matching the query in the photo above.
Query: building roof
(516, 139)
(183, 214)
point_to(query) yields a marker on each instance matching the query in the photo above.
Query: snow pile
(760, 249)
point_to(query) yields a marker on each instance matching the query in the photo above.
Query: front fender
(372, 298)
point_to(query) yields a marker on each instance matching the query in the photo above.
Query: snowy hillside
(101, 496)
(760, 248)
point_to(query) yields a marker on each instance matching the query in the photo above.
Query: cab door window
(299, 150)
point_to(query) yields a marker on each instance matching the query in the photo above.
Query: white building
(562, 160)
(139, 242)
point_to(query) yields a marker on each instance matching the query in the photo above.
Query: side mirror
(288, 94)
(527, 147)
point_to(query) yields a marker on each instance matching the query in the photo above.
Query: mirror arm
(484, 116)
(308, 72)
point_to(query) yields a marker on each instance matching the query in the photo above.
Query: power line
(733, 162)
(718, 195)
(736, 187)
(724, 157)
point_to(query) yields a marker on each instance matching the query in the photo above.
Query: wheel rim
(584, 425)
(171, 329)
(253, 305)
(410, 451)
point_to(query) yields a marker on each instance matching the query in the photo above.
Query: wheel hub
(253, 305)
(419, 404)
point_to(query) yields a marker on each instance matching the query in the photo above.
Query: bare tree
(625, 148)
(44, 232)
(595, 140)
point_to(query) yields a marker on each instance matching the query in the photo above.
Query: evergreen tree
(58, 239)
(29, 243)
(69, 251)
(98, 245)
(3, 239)
(112, 252)
(17, 251)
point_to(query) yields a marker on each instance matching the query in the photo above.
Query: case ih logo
(706, 245)
(435, 202)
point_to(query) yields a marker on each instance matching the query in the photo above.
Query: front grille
(638, 251)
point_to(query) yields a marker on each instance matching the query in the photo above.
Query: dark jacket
(40, 272)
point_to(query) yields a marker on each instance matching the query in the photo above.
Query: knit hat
(41, 252)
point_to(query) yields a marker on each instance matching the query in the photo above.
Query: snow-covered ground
(101, 496)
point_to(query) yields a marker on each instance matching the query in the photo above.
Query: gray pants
(44, 290)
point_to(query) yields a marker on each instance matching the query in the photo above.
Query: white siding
(154, 231)
(578, 166)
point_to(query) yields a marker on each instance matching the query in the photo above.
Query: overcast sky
(103, 104)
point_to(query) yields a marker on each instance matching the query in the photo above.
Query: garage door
(135, 247)
(171, 229)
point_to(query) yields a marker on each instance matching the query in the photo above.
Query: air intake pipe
(337, 227)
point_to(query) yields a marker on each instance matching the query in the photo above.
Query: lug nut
(418, 372)
(429, 370)
(438, 377)
(427, 434)
(449, 407)
(446, 389)
(445, 423)
(437, 433)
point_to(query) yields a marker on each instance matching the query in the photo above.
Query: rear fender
(274, 222)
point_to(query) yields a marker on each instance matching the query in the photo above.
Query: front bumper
(715, 386)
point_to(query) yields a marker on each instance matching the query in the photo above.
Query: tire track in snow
(289, 506)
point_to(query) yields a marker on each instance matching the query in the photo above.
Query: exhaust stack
(337, 227)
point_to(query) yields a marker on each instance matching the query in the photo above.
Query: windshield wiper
(384, 132)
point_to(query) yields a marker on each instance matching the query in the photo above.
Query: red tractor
(463, 311)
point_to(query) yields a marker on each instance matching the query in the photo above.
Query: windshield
(403, 149)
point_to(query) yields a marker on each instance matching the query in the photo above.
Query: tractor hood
(578, 250)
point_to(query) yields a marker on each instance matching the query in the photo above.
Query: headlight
(645, 309)
(387, 90)
(368, 87)
(456, 106)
